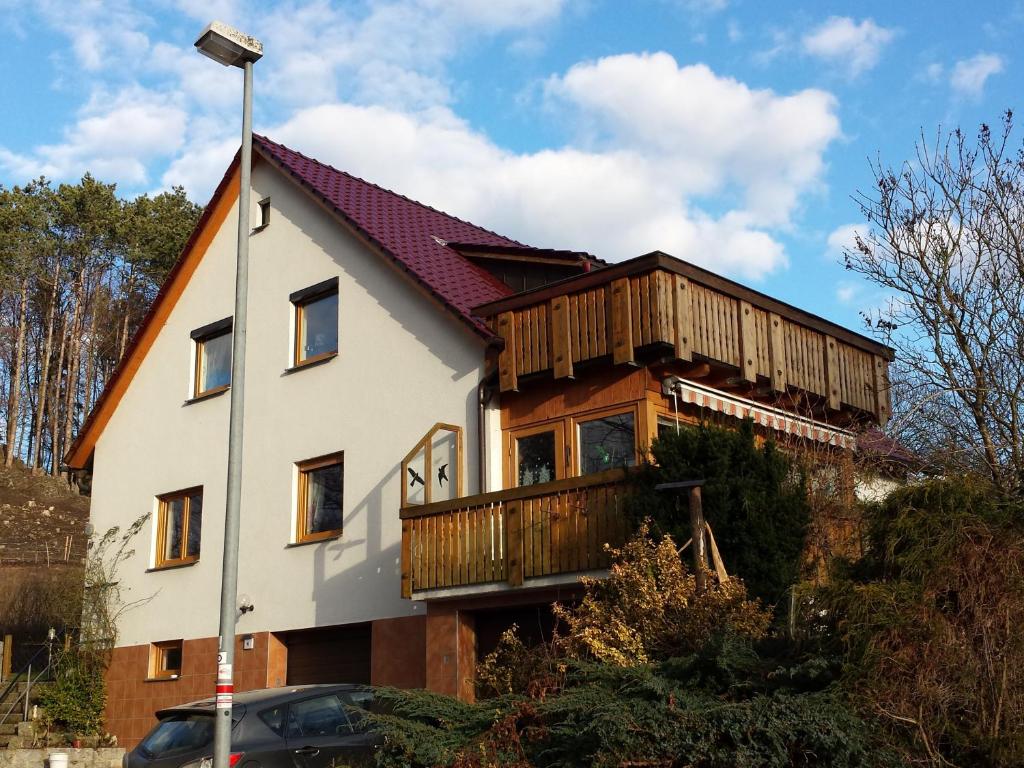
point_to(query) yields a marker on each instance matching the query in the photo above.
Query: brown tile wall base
(398, 652)
(451, 651)
(132, 700)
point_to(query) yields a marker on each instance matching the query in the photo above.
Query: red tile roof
(414, 235)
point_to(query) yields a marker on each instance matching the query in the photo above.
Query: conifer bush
(754, 498)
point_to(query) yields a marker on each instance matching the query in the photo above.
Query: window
(165, 660)
(607, 443)
(179, 527)
(178, 735)
(321, 482)
(322, 716)
(264, 205)
(538, 454)
(213, 358)
(316, 322)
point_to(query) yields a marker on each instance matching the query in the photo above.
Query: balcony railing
(660, 303)
(510, 536)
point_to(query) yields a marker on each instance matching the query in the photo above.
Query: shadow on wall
(379, 569)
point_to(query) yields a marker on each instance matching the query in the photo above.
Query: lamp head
(228, 46)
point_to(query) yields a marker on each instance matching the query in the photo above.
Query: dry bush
(647, 609)
(931, 623)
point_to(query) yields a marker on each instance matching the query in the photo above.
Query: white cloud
(969, 76)
(855, 47)
(847, 293)
(844, 237)
(113, 138)
(663, 156)
(627, 191)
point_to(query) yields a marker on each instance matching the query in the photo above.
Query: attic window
(316, 322)
(264, 205)
(212, 358)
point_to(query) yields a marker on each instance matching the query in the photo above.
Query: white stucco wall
(403, 365)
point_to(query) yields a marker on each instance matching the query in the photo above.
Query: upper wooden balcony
(658, 308)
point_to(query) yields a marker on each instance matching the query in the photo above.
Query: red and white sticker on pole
(225, 683)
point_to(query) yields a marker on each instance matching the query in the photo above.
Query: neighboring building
(398, 359)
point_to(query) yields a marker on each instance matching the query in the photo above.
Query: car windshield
(178, 734)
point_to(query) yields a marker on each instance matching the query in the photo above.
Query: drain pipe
(484, 392)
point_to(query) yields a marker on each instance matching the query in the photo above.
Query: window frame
(302, 510)
(300, 300)
(514, 435)
(158, 652)
(578, 421)
(264, 208)
(163, 500)
(200, 337)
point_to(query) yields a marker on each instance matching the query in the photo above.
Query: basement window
(179, 528)
(321, 491)
(316, 322)
(165, 660)
(212, 358)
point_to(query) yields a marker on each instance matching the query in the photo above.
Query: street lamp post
(230, 47)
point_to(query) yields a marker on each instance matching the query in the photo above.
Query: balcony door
(536, 455)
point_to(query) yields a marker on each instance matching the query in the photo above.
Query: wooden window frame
(162, 561)
(562, 455)
(426, 445)
(300, 300)
(576, 421)
(200, 336)
(304, 467)
(157, 654)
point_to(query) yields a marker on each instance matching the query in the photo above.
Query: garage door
(329, 655)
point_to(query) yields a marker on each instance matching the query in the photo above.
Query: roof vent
(439, 241)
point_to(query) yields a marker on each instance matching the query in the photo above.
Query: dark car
(306, 726)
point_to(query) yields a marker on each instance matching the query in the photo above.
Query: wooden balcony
(657, 307)
(513, 536)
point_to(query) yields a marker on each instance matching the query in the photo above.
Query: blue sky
(731, 133)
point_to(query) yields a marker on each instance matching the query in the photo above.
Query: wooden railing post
(776, 352)
(5, 657)
(406, 565)
(622, 322)
(514, 522)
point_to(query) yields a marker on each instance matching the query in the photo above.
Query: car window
(274, 718)
(322, 716)
(178, 734)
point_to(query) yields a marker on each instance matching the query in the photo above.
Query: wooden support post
(700, 556)
(560, 337)
(882, 404)
(514, 553)
(406, 559)
(622, 322)
(5, 657)
(832, 373)
(777, 352)
(683, 317)
(508, 377)
(748, 343)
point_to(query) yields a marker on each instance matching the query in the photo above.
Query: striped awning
(763, 415)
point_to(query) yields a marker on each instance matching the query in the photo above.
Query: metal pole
(229, 577)
(700, 558)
